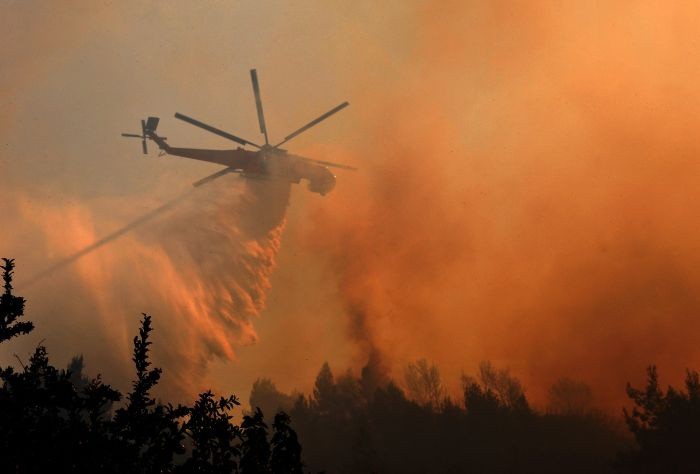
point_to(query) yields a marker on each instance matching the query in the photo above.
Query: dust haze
(527, 193)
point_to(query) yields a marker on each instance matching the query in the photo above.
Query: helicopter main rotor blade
(145, 149)
(212, 177)
(131, 135)
(313, 122)
(258, 104)
(329, 163)
(215, 131)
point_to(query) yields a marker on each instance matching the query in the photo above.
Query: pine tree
(666, 427)
(325, 391)
(11, 307)
(149, 432)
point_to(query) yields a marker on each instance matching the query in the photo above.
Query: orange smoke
(528, 189)
(529, 195)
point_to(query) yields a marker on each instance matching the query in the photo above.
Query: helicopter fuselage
(266, 163)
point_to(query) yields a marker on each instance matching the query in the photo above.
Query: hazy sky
(75, 75)
(527, 192)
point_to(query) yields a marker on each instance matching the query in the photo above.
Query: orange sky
(527, 191)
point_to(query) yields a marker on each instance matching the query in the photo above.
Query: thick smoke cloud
(529, 196)
(528, 189)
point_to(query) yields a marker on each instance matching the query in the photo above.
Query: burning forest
(487, 264)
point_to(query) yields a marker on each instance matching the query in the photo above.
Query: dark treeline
(58, 420)
(349, 424)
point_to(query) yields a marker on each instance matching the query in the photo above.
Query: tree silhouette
(148, 431)
(506, 388)
(55, 420)
(255, 449)
(325, 391)
(214, 438)
(495, 430)
(423, 383)
(76, 369)
(666, 427)
(11, 307)
(265, 395)
(286, 450)
(47, 423)
(569, 397)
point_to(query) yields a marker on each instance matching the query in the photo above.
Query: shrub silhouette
(55, 420)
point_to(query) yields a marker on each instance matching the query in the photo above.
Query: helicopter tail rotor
(148, 128)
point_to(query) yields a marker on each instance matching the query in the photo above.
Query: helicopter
(265, 162)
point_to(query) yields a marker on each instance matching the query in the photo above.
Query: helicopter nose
(322, 185)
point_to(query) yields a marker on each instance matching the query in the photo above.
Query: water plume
(200, 264)
(104, 240)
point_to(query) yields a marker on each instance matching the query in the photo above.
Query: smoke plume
(528, 195)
